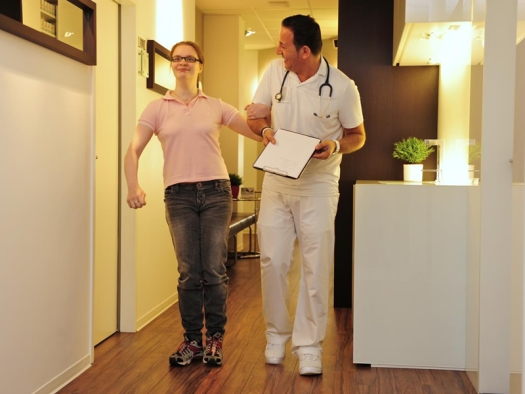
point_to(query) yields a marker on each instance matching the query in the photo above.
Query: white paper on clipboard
(289, 155)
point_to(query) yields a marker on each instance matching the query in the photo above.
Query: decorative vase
(235, 191)
(413, 172)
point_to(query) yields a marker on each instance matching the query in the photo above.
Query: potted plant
(236, 182)
(412, 150)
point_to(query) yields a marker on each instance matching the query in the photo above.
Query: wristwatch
(337, 147)
(263, 129)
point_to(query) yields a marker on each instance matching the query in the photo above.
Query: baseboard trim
(65, 377)
(155, 312)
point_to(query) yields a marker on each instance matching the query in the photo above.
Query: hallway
(138, 363)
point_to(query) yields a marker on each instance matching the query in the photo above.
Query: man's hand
(324, 149)
(257, 111)
(268, 136)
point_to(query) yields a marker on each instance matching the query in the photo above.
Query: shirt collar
(168, 97)
(323, 67)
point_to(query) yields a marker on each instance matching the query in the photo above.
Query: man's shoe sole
(310, 371)
(274, 360)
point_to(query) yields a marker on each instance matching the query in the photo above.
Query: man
(308, 96)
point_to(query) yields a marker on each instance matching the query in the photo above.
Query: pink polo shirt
(189, 135)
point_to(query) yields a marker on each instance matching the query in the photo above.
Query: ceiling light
(248, 32)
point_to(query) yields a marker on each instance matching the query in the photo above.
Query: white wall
(46, 173)
(251, 148)
(518, 252)
(223, 80)
(231, 74)
(516, 287)
(515, 263)
(496, 196)
(519, 116)
(454, 107)
(148, 259)
(46, 231)
(156, 263)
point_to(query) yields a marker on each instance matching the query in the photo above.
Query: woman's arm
(259, 118)
(136, 197)
(239, 125)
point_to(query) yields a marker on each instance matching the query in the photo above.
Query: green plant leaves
(235, 179)
(412, 150)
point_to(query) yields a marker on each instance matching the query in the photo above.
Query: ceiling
(265, 16)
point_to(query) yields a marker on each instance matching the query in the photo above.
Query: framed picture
(160, 77)
(247, 192)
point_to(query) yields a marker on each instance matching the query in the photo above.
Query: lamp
(248, 32)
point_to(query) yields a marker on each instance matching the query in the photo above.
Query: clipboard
(289, 156)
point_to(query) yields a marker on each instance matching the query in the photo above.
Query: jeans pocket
(170, 192)
(224, 186)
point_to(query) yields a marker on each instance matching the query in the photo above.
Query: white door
(105, 310)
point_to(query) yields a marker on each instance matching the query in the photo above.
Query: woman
(197, 197)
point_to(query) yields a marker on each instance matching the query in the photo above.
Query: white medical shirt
(295, 112)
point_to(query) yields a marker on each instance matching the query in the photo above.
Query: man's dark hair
(306, 31)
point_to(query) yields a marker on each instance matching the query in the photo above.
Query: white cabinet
(410, 275)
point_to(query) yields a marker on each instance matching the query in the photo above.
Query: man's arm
(353, 140)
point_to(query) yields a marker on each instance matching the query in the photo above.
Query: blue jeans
(198, 215)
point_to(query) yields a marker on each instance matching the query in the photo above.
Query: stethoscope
(279, 96)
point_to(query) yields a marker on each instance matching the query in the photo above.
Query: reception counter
(410, 275)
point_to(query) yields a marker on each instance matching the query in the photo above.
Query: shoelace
(214, 344)
(185, 347)
(308, 356)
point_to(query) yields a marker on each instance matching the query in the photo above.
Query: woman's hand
(136, 198)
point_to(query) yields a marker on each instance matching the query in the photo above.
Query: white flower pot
(413, 172)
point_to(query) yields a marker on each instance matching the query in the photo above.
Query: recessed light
(279, 4)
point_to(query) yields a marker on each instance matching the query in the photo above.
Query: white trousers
(282, 219)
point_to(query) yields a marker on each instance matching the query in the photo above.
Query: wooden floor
(138, 363)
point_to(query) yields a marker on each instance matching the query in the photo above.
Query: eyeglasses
(189, 59)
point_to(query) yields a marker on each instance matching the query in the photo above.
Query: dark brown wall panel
(398, 102)
(12, 9)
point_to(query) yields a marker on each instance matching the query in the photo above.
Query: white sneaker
(274, 353)
(310, 364)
